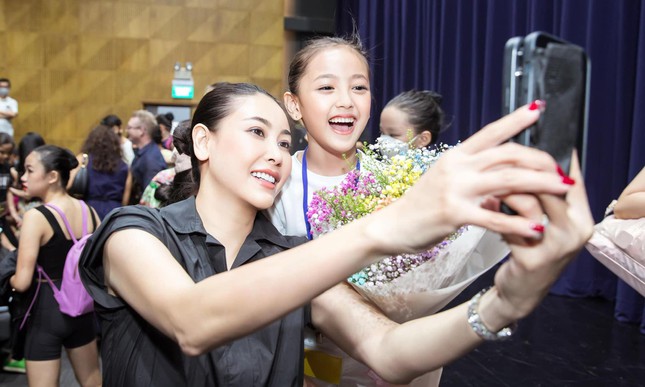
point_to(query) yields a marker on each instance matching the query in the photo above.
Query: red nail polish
(568, 181)
(537, 227)
(560, 171)
(537, 104)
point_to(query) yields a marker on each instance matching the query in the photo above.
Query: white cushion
(619, 244)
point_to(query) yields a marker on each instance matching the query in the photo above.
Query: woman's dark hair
(423, 108)
(27, 144)
(303, 57)
(181, 188)
(155, 135)
(182, 185)
(55, 158)
(104, 146)
(165, 120)
(216, 105)
(111, 120)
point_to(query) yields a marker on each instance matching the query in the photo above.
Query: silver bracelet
(476, 323)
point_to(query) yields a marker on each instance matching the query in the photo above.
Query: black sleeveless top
(51, 255)
(135, 353)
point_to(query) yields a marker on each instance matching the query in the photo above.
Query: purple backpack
(73, 299)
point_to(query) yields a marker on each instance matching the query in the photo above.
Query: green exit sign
(182, 89)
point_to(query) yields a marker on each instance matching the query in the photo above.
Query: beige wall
(71, 62)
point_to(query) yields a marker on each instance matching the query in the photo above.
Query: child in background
(412, 118)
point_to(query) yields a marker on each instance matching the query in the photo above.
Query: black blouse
(134, 353)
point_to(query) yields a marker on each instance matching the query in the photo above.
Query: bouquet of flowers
(404, 286)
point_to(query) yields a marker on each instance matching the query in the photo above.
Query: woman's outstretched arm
(232, 304)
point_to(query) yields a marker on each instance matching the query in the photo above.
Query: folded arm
(631, 203)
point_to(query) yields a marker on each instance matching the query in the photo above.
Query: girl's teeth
(342, 121)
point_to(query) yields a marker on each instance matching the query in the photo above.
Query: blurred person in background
(8, 107)
(413, 118)
(165, 125)
(148, 160)
(109, 178)
(45, 241)
(18, 201)
(115, 123)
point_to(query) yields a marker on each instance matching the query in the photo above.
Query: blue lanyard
(305, 189)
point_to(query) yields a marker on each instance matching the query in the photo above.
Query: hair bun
(438, 98)
(73, 161)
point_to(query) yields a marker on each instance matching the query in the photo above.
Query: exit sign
(183, 89)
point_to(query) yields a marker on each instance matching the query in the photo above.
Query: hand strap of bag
(33, 300)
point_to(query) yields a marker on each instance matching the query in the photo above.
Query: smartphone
(543, 66)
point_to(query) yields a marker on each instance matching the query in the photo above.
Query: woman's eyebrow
(262, 120)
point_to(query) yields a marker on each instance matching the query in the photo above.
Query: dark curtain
(455, 47)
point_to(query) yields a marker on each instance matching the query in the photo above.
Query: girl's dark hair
(55, 158)
(6, 138)
(423, 108)
(105, 148)
(27, 144)
(111, 120)
(216, 105)
(303, 57)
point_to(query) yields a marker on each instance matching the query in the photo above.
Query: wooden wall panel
(71, 62)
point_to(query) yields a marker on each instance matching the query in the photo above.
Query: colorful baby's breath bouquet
(404, 286)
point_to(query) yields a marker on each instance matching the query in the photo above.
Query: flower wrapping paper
(410, 285)
(432, 285)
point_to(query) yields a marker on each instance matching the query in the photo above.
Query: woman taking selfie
(190, 281)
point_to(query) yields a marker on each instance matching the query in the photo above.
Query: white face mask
(390, 146)
(4, 91)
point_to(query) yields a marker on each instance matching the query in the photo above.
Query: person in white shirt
(8, 107)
